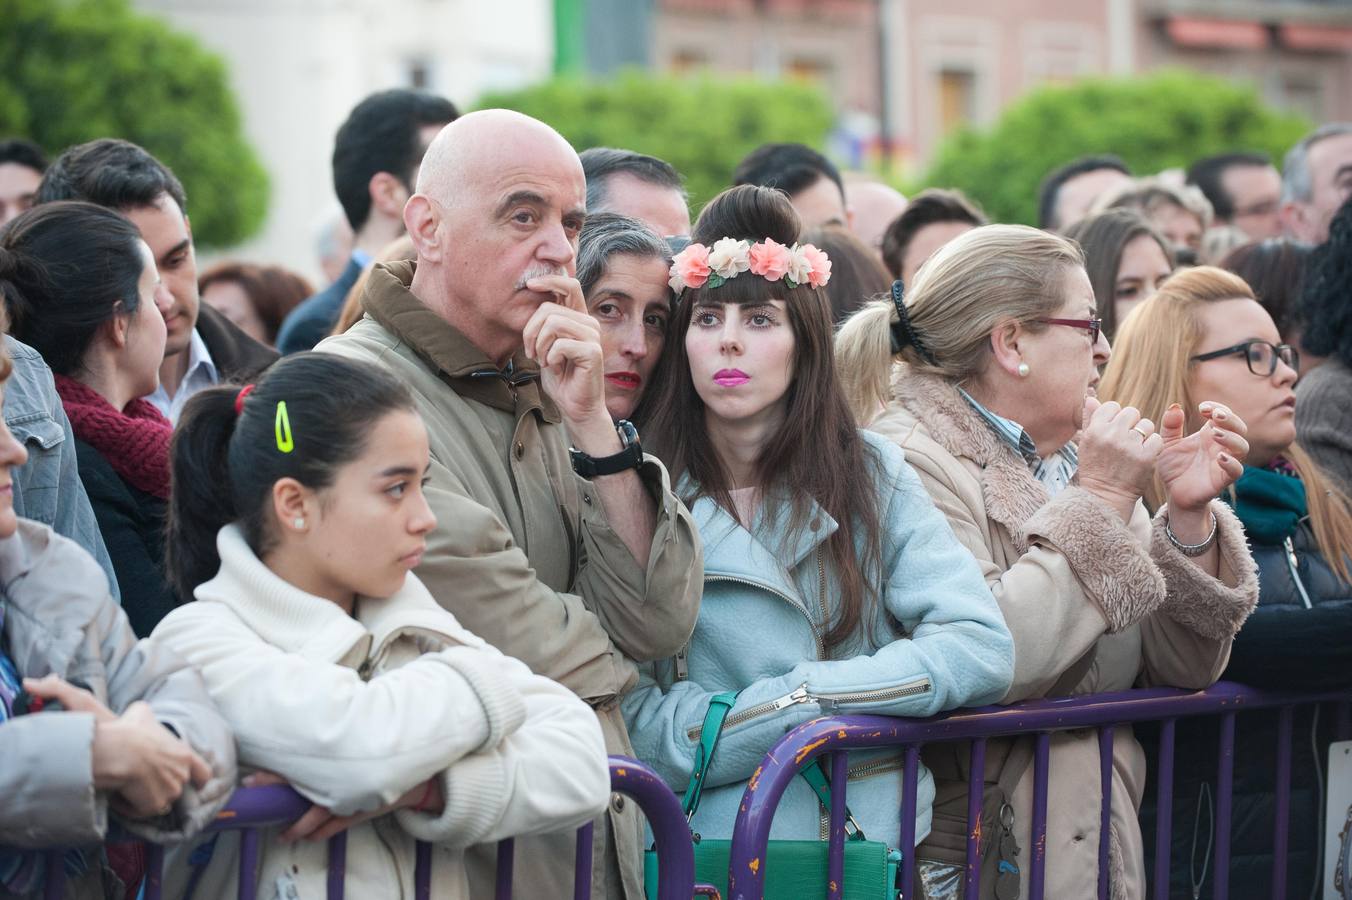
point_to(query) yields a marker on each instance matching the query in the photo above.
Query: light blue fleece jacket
(758, 633)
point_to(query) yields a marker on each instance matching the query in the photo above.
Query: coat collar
(1009, 490)
(732, 551)
(296, 622)
(459, 363)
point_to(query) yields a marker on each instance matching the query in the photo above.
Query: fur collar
(1010, 492)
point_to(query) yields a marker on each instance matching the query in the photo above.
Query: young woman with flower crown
(832, 584)
(296, 517)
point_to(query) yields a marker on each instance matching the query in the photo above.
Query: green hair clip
(284, 442)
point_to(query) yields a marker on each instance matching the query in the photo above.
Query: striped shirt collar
(1054, 472)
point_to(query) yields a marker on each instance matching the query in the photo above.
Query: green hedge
(1156, 122)
(701, 126)
(75, 70)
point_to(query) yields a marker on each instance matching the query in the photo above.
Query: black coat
(1285, 644)
(237, 356)
(132, 524)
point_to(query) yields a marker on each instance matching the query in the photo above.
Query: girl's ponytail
(203, 499)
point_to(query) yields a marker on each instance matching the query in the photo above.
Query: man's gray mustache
(538, 272)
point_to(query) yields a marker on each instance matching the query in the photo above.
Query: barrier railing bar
(910, 782)
(1037, 873)
(1225, 780)
(676, 863)
(976, 829)
(1342, 721)
(502, 888)
(1164, 805)
(835, 852)
(248, 864)
(337, 876)
(154, 872)
(1105, 746)
(422, 871)
(582, 862)
(1281, 822)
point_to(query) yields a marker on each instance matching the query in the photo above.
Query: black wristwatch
(631, 457)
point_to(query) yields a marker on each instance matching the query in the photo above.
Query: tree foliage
(702, 126)
(1161, 121)
(76, 70)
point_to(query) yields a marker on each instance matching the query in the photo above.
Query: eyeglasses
(1261, 356)
(1093, 326)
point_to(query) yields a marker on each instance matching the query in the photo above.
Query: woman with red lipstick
(296, 518)
(1205, 335)
(622, 266)
(831, 582)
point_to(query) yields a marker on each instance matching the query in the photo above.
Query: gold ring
(1143, 435)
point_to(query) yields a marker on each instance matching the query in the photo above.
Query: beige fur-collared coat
(1094, 605)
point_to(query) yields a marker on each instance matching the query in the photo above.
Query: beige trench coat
(524, 557)
(1094, 605)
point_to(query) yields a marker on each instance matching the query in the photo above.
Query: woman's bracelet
(1191, 549)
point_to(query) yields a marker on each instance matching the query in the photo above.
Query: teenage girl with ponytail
(296, 517)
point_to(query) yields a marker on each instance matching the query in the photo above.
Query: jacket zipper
(816, 631)
(1291, 563)
(801, 695)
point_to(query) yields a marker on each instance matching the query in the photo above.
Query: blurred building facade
(298, 67)
(951, 62)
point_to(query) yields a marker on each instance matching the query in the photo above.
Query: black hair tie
(903, 332)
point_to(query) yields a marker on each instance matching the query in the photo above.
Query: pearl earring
(1024, 370)
(299, 524)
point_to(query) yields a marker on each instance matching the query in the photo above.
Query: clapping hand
(1195, 468)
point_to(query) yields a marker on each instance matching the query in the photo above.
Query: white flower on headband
(697, 266)
(730, 257)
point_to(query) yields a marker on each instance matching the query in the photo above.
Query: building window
(957, 98)
(686, 61)
(813, 71)
(419, 75)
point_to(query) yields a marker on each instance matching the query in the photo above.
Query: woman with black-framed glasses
(1204, 335)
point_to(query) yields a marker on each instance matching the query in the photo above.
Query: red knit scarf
(135, 440)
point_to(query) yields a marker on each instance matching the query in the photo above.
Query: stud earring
(299, 524)
(1024, 370)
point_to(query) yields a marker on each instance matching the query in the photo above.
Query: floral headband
(699, 266)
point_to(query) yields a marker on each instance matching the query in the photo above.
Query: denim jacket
(759, 633)
(47, 488)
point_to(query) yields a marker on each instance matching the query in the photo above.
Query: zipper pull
(364, 670)
(794, 697)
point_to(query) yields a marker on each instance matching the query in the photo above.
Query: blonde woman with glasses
(1205, 335)
(985, 374)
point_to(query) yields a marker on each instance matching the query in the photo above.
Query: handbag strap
(714, 717)
(719, 705)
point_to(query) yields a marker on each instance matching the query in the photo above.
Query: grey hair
(599, 163)
(1297, 185)
(606, 234)
(1148, 194)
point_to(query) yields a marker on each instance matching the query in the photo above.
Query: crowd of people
(547, 472)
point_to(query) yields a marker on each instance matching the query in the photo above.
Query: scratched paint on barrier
(754, 865)
(805, 752)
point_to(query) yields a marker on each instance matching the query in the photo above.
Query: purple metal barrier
(837, 735)
(252, 809)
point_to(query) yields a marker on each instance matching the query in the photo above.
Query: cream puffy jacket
(356, 710)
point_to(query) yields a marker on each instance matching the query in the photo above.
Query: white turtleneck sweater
(355, 710)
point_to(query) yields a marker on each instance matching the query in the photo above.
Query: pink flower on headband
(820, 271)
(770, 259)
(689, 268)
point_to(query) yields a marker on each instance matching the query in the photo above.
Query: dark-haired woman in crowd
(1126, 259)
(256, 299)
(986, 373)
(84, 292)
(1204, 335)
(857, 275)
(831, 582)
(297, 517)
(622, 267)
(1323, 415)
(1275, 270)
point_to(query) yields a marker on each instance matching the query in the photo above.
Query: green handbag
(794, 869)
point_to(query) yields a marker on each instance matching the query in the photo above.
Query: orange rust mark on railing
(805, 752)
(755, 778)
(754, 865)
(976, 832)
(226, 814)
(622, 772)
(841, 734)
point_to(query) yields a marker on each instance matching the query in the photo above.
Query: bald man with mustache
(579, 565)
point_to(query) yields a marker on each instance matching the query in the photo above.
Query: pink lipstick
(731, 378)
